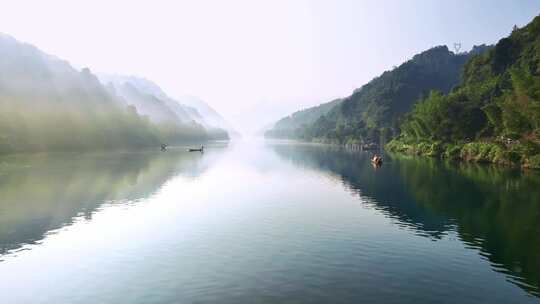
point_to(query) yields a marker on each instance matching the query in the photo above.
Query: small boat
(377, 161)
(201, 149)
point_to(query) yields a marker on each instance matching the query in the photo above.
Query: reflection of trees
(497, 210)
(381, 187)
(494, 209)
(40, 193)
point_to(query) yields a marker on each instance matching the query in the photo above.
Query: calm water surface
(265, 222)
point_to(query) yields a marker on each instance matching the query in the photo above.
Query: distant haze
(255, 61)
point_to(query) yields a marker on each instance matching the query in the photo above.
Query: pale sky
(256, 61)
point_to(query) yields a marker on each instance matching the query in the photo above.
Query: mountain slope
(150, 90)
(46, 104)
(155, 96)
(373, 112)
(148, 105)
(493, 116)
(211, 116)
(293, 126)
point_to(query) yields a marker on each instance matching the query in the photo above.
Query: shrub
(533, 162)
(452, 151)
(482, 152)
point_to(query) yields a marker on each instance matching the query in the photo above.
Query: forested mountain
(147, 104)
(295, 125)
(46, 104)
(374, 111)
(494, 114)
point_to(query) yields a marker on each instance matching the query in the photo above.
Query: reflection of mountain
(385, 190)
(494, 210)
(41, 193)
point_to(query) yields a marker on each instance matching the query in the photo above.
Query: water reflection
(494, 210)
(42, 193)
(380, 187)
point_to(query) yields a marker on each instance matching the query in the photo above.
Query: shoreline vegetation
(514, 154)
(492, 116)
(482, 106)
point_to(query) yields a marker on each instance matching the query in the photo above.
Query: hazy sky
(255, 61)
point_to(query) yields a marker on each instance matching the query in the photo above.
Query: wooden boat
(377, 162)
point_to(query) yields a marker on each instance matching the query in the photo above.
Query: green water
(265, 222)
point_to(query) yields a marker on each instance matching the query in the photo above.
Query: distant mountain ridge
(209, 114)
(187, 109)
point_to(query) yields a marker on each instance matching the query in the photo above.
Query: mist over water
(264, 222)
(215, 151)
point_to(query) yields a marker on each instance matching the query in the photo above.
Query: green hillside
(493, 116)
(294, 126)
(374, 111)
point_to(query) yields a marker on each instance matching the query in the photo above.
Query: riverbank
(523, 154)
(350, 143)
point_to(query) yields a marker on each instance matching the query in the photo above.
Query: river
(265, 222)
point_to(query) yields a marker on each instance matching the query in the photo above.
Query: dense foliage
(375, 110)
(493, 115)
